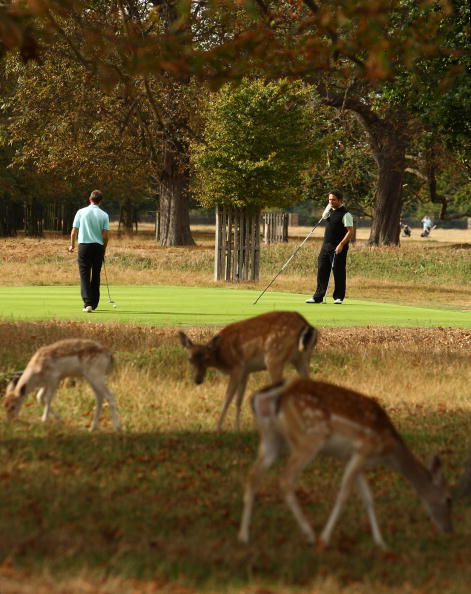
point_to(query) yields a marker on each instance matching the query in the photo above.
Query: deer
(267, 341)
(74, 357)
(313, 417)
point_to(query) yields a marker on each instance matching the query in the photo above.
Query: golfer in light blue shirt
(91, 228)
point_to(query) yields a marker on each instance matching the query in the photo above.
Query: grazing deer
(267, 341)
(73, 357)
(320, 418)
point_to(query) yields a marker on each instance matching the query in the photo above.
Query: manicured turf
(193, 306)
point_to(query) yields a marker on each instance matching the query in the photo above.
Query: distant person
(406, 230)
(333, 254)
(427, 225)
(91, 226)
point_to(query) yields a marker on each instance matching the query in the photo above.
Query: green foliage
(63, 126)
(345, 163)
(258, 145)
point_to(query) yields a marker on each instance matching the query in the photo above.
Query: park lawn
(193, 306)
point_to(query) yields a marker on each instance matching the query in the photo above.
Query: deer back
(279, 333)
(248, 343)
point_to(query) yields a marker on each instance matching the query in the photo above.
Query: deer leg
(45, 396)
(113, 409)
(41, 397)
(296, 462)
(234, 383)
(100, 393)
(367, 498)
(267, 454)
(239, 398)
(349, 476)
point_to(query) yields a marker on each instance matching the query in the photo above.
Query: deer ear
(186, 342)
(214, 342)
(436, 469)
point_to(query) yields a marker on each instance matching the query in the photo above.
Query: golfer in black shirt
(333, 254)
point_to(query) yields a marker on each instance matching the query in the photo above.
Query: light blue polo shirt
(347, 220)
(91, 221)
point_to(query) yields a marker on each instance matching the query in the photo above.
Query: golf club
(330, 272)
(325, 215)
(113, 303)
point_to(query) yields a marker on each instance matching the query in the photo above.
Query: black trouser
(324, 266)
(90, 260)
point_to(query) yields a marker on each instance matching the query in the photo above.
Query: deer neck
(215, 359)
(412, 470)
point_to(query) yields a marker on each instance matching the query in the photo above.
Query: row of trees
(121, 96)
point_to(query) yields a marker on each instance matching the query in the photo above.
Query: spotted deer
(74, 357)
(319, 418)
(268, 341)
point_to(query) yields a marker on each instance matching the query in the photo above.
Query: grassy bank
(417, 273)
(189, 306)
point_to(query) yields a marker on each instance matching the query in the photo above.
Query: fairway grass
(194, 306)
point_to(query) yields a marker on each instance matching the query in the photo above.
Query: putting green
(194, 306)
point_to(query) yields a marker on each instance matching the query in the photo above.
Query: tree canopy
(258, 145)
(401, 66)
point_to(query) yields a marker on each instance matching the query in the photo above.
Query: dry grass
(156, 509)
(407, 368)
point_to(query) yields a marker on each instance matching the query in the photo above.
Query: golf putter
(330, 273)
(324, 216)
(113, 303)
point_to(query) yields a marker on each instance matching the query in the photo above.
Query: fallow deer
(73, 357)
(268, 341)
(319, 418)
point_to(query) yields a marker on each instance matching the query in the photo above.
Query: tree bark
(174, 202)
(388, 138)
(127, 217)
(9, 217)
(34, 213)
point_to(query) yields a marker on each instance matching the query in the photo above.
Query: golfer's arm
(73, 237)
(347, 236)
(105, 235)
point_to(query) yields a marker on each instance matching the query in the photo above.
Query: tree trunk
(10, 214)
(174, 203)
(67, 214)
(127, 217)
(388, 139)
(34, 213)
(390, 157)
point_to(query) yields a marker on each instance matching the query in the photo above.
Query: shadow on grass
(167, 506)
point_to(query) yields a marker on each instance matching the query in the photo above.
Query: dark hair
(337, 193)
(96, 196)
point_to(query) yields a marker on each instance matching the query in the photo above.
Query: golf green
(195, 306)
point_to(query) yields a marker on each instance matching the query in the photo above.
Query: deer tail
(307, 338)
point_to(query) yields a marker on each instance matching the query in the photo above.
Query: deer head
(200, 356)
